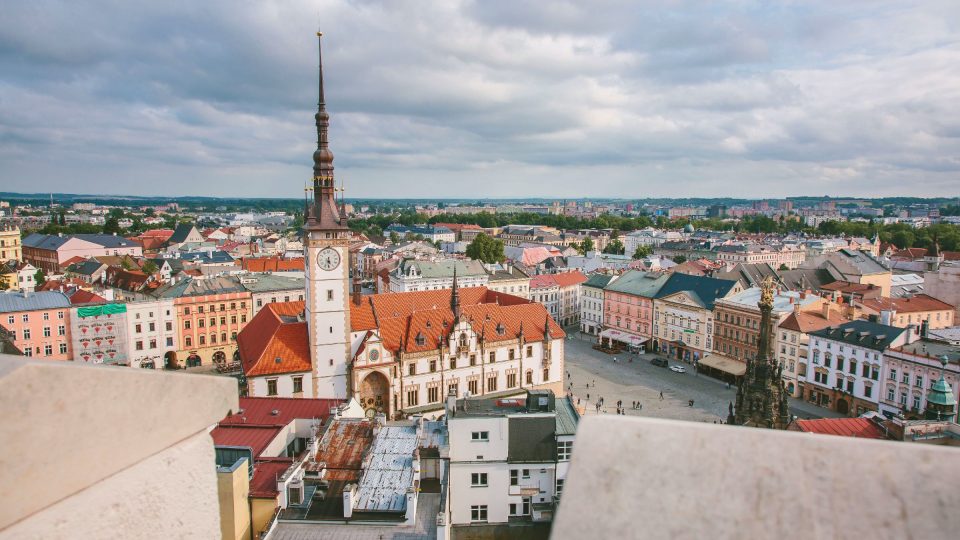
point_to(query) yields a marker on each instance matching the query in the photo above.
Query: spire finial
(455, 296)
(326, 214)
(320, 103)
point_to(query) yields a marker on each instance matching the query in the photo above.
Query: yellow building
(10, 249)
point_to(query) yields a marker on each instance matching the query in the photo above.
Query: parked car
(677, 369)
(662, 362)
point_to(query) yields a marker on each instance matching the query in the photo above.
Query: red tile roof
(810, 321)
(845, 427)
(275, 333)
(258, 411)
(157, 233)
(271, 264)
(914, 254)
(563, 279)
(915, 304)
(401, 316)
(151, 243)
(265, 475)
(848, 286)
(81, 296)
(256, 437)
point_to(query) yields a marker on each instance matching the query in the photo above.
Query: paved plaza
(633, 378)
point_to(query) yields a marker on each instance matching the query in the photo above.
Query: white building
(591, 303)
(418, 275)
(270, 288)
(846, 362)
(152, 335)
(560, 293)
(508, 457)
(649, 237)
(910, 370)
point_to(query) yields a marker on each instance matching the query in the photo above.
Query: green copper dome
(941, 394)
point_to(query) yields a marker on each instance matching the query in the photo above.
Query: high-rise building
(761, 396)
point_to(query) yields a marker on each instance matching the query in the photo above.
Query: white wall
(257, 386)
(172, 494)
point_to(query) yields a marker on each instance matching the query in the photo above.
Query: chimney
(825, 309)
(924, 328)
(911, 335)
(886, 316)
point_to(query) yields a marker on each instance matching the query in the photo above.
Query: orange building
(210, 314)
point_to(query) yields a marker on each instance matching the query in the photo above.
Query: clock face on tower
(328, 259)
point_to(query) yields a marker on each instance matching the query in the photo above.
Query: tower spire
(326, 214)
(455, 296)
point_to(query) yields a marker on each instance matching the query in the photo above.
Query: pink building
(628, 307)
(50, 251)
(39, 322)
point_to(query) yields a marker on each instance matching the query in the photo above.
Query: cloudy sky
(456, 98)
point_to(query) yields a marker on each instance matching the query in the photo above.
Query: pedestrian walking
(639, 406)
(588, 396)
(661, 395)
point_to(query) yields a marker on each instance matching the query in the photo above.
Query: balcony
(525, 488)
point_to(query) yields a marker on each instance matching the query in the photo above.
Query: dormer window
(420, 340)
(500, 329)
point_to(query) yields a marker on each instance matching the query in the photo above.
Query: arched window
(463, 339)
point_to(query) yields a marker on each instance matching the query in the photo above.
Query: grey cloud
(483, 98)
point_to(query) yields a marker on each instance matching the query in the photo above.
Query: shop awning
(725, 364)
(623, 337)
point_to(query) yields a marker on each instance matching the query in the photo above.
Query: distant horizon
(13, 196)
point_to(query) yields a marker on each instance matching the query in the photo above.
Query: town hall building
(397, 353)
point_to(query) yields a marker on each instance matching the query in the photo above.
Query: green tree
(394, 237)
(586, 246)
(903, 239)
(615, 247)
(642, 251)
(486, 249)
(39, 277)
(149, 267)
(112, 226)
(680, 259)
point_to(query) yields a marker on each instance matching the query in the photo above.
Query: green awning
(105, 309)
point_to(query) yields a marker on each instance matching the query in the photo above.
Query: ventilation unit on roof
(275, 412)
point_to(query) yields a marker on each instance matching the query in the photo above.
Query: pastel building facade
(38, 322)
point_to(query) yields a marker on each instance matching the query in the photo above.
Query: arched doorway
(193, 360)
(842, 406)
(375, 394)
(220, 359)
(170, 360)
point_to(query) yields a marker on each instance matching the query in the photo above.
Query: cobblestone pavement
(633, 378)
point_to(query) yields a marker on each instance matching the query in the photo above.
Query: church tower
(761, 396)
(326, 252)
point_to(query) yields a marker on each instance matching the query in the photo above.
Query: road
(633, 378)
